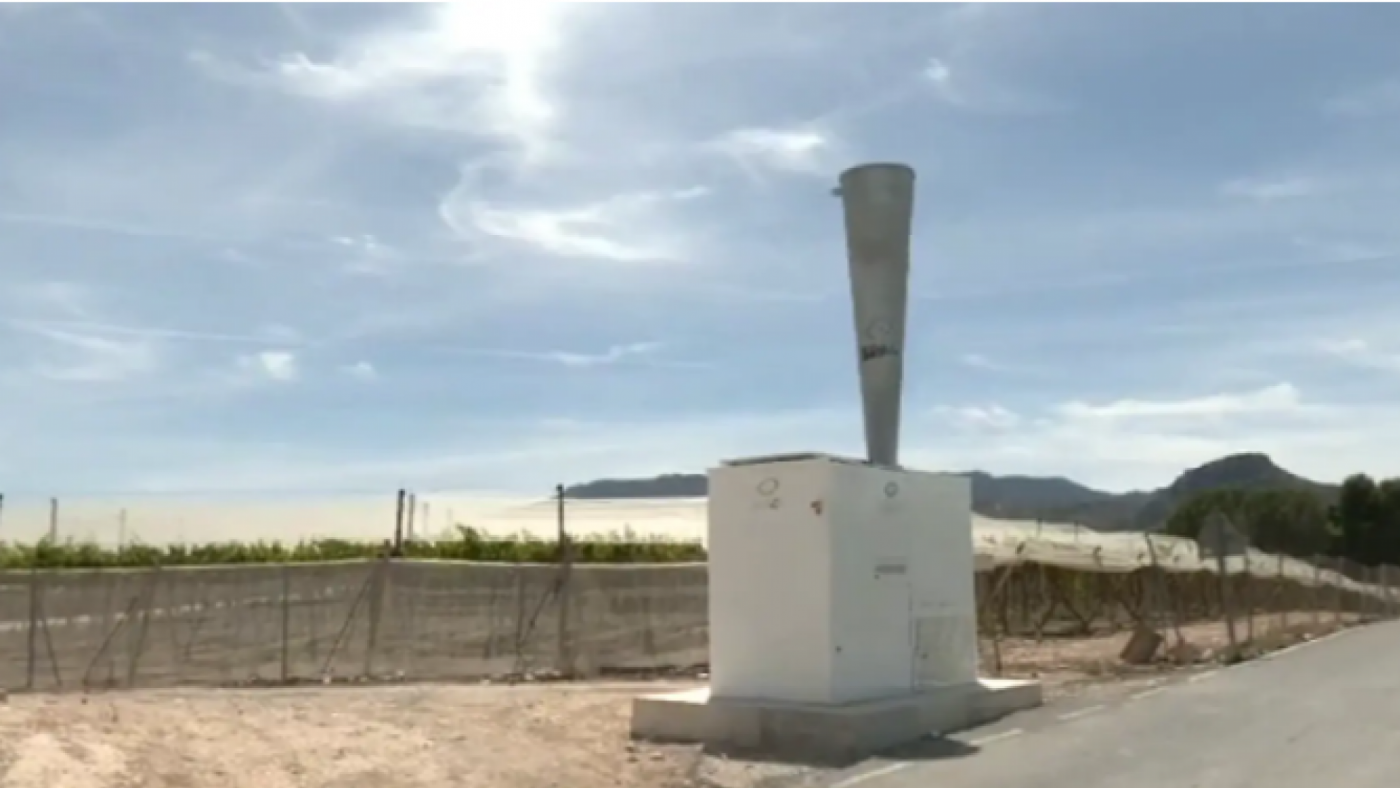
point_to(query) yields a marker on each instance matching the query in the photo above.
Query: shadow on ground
(927, 748)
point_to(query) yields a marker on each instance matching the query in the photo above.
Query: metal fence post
(564, 655)
(286, 620)
(1226, 601)
(1248, 597)
(1317, 591)
(1337, 596)
(33, 625)
(137, 646)
(376, 606)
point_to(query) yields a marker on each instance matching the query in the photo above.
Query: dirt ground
(532, 736)
(524, 736)
(1064, 666)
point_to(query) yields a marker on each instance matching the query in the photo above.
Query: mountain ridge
(1051, 498)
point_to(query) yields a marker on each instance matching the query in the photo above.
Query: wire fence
(380, 620)
(400, 620)
(1049, 597)
(1036, 616)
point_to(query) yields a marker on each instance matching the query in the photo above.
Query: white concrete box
(833, 581)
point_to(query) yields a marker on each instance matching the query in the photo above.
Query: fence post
(286, 621)
(138, 646)
(33, 623)
(1337, 596)
(1317, 591)
(564, 657)
(1163, 594)
(398, 522)
(377, 582)
(1248, 594)
(1226, 608)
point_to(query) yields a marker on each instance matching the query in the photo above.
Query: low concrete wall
(411, 619)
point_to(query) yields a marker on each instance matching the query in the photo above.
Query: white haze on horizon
(162, 520)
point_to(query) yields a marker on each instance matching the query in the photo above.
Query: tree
(1367, 520)
(1287, 521)
(1386, 536)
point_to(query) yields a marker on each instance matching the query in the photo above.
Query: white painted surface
(851, 730)
(870, 524)
(820, 569)
(770, 582)
(945, 592)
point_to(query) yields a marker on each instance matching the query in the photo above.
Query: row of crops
(468, 545)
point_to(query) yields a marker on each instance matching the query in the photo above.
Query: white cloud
(102, 226)
(100, 329)
(1146, 442)
(804, 151)
(1114, 453)
(89, 358)
(634, 352)
(938, 72)
(981, 418)
(1269, 190)
(367, 254)
(979, 361)
(625, 228)
(964, 88)
(473, 67)
(558, 175)
(69, 299)
(514, 454)
(361, 370)
(277, 365)
(612, 355)
(1362, 354)
(1275, 399)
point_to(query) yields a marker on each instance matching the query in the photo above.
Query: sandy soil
(372, 737)
(525, 736)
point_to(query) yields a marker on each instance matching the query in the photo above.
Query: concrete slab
(812, 732)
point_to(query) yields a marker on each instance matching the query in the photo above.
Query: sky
(319, 249)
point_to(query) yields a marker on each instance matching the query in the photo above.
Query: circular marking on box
(891, 490)
(768, 486)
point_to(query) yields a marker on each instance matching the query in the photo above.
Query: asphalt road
(1326, 713)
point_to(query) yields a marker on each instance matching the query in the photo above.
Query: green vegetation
(1293, 522)
(1362, 522)
(470, 545)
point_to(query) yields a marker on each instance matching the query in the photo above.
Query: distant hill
(1050, 498)
(1248, 471)
(670, 485)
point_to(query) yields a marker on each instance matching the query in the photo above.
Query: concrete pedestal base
(813, 732)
